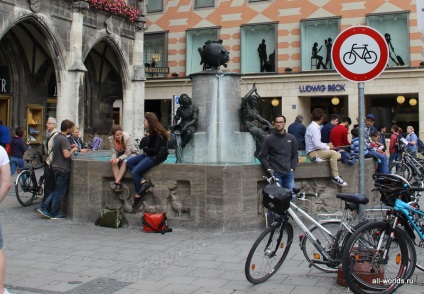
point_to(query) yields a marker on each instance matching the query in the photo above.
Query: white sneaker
(317, 159)
(339, 181)
(6, 292)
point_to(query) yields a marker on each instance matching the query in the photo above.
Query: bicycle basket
(391, 187)
(276, 198)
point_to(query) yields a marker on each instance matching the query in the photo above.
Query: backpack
(45, 147)
(398, 144)
(155, 223)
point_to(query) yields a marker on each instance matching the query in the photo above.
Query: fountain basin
(212, 196)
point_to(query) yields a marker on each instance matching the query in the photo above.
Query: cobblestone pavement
(59, 256)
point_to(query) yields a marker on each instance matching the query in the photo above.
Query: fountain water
(218, 140)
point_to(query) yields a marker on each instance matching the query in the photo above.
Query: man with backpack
(394, 147)
(49, 179)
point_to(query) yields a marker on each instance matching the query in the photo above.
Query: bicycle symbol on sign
(369, 56)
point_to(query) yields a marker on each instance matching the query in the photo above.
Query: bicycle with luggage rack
(27, 187)
(408, 167)
(381, 256)
(321, 244)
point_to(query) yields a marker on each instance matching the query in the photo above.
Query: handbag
(111, 218)
(155, 223)
(8, 148)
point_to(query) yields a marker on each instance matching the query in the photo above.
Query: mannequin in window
(315, 51)
(328, 44)
(262, 54)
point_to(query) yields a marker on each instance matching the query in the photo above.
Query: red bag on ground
(155, 223)
(9, 149)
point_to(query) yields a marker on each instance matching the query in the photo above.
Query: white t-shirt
(4, 158)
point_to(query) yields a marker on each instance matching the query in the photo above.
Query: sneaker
(58, 216)
(6, 292)
(317, 159)
(43, 213)
(146, 185)
(137, 202)
(118, 188)
(339, 181)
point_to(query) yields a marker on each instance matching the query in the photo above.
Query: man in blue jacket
(298, 130)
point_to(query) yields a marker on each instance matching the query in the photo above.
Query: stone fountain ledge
(216, 196)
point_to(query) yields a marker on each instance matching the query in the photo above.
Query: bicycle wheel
(370, 57)
(25, 188)
(268, 253)
(368, 270)
(349, 58)
(401, 169)
(327, 241)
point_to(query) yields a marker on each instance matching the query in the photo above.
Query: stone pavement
(59, 256)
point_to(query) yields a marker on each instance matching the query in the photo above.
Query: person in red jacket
(338, 135)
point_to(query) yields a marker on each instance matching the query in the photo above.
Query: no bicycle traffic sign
(360, 53)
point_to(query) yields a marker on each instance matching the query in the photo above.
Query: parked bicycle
(321, 244)
(383, 250)
(408, 167)
(368, 56)
(27, 188)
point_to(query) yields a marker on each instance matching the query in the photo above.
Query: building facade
(284, 47)
(69, 60)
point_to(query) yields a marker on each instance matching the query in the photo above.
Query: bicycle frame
(408, 211)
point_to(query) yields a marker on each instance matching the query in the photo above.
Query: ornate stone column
(72, 90)
(133, 103)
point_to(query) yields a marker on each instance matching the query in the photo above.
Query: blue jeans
(52, 202)
(16, 162)
(382, 166)
(286, 180)
(395, 156)
(138, 165)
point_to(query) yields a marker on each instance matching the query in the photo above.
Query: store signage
(360, 54)
(322, 88)
(157, 70)
(4, 79)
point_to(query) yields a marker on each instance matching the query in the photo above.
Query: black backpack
(398, 144)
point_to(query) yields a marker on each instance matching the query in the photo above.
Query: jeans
(138, 165)
(52, 203)
(16, 162)
(382, 166)
(395, 156)
(285, 180)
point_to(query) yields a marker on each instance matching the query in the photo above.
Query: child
(354, 146)
(375, 141)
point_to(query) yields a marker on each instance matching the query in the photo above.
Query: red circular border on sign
(377, 70)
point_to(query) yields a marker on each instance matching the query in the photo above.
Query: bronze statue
(213, 54)
(185, 121)
(251, 120)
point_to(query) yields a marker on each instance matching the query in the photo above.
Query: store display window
(394, 28)
(317, 37)
(258, 48)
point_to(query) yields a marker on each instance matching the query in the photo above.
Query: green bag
(111, 218)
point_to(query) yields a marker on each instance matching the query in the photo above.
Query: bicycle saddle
(357, 198)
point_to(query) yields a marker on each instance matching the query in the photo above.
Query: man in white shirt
(318, 151)
(4, 189)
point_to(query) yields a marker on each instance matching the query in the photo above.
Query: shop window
(317, 36)
(258, 0)
(204, 3)
(394, 28)
(155, 56)
(154, 6)
(258, 48)
(195, 40)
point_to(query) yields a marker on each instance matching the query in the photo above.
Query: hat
(371, 116)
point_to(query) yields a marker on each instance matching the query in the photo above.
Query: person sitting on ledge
(155, 153)
(122, 147)
(318, 151)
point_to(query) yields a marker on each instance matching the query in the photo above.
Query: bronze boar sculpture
(213, 55)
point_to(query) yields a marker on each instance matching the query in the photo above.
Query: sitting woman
(122, 147)
(155, 153)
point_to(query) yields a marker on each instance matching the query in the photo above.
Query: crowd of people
(330, 142)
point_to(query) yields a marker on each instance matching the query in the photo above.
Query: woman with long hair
(18, 149)
(155, 153)
(122, 147)
(394, 153)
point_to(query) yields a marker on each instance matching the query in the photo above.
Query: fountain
(218, 185)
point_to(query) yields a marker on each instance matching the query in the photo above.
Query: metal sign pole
(361, 106)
